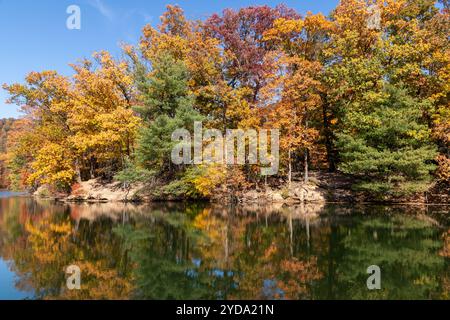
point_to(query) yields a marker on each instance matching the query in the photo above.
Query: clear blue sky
(34, 36)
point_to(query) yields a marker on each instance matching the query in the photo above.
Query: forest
(364, 92)
(5, 126)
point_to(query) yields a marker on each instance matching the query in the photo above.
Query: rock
(96, 191)
(277, 197)
(252, 195)
(309, 193)
(43, 192)
(75, 198)
(299, 194)
(267, 196)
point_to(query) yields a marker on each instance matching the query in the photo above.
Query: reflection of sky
(8, 291)
(270, 289)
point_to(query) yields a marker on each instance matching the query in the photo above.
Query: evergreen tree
(387, 146)
(165, 90)
(167, 106)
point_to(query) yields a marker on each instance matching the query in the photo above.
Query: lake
(203, 251)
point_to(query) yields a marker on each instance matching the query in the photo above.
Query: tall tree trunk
(306, 166)
(128, 145)
(224, 119)
(306, 177)
(290, 169)
(328, 136)
(77, 169)
(92, 171)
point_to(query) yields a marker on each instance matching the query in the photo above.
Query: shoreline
(323, 189)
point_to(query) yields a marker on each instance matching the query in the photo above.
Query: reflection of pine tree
(162, 254)
(405, 249)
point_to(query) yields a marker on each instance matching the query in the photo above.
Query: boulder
(277, 197)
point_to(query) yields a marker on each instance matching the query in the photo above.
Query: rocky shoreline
(322, 188)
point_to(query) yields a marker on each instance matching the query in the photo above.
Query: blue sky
(34, 36)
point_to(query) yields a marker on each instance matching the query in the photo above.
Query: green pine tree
(168, 106)
(164, 89)
(386, 146)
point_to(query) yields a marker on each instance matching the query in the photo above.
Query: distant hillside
(5, 126)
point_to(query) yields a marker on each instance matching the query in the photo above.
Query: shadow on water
(201, 251)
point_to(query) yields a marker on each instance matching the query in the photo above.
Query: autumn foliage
(330, 84)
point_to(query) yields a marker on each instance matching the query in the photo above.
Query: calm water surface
(198, 251)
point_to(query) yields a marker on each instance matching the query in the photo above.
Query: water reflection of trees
(48, 243)
(180, 251)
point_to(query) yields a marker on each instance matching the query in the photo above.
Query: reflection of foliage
(10, 227)
(405, 249)
(195, 252)
(99, 281)
(50, 246)
(160, 252)
(266, 265)
(446, 250)
(298, 274)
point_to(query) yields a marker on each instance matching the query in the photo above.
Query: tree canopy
(364, 91)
